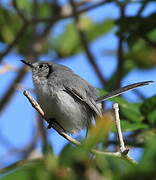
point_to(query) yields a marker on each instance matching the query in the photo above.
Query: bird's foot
(52, 123)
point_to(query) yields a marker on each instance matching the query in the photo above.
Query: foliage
(34, 28)
(76, 163)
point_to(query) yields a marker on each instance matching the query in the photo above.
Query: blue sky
(18, 120)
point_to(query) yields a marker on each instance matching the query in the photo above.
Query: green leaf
(142, 55)
(38, 169)
(146, 166)
(8, 26)
(131, 111)
(99, 29)
(24, 170)
(148, 106)
(134, 28)
(127, 126)
(71, 154)
(24, 6)
(128, 110)
(147, 162)
(98, 133)
(18, 174)
(68, 42)
(128, 66)
(152, 118)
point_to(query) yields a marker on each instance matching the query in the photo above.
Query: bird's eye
(41, 66)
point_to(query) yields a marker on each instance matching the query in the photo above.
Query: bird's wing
(75, 86)
(89, 102)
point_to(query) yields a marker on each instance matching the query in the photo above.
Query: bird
(66, 98)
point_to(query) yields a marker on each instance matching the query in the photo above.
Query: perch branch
(69, 138)
(40, 111)
(123, 150)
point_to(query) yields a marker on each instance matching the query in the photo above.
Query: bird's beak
(30, 64)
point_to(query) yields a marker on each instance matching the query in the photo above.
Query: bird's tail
(122, 90)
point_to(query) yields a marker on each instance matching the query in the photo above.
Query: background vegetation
(32, 29)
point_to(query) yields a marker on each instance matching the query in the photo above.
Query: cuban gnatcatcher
(66, 98)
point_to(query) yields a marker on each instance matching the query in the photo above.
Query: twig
(45, 20)
(128, 142)
(18, 36)
(19, 12)
(18, 164)
(142, 7)
(149, 41)
(27, 161)
(120, 52)
(114, 154)
(40, 111)
(69, 138)
(64, 15)
(123, 150)
(84, 43)
(8, 95)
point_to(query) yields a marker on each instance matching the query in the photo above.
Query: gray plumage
(67, 98)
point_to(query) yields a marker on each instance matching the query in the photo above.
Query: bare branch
(66, 12)
(123, 150)
(18, 164)
(6, 68)
(15, 41)
(120, 53)
(118, 128)
(40, 111)
(19, 12)
(6, 98)
(85, 45)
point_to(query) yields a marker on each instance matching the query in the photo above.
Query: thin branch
(149, 41)
(85, 45)
(45, 20)
(18, 36)
(42, 132)
(118, 128)
(64, 15)
(115, 154)
(120, 52)
(18, 164)
(6, 68)
(93, 6)
(142, 7)
(6, 98)
(27, 161)
(5, 142)
(128, 142)
(22, 71)
(69, 138)
(40, 111)
(19, 12)
(123, 150)
(120, 65)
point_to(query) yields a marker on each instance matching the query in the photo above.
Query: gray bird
(66, 98)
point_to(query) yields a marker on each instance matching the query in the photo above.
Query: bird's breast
(70, 114)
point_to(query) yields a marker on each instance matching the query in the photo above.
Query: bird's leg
(52, 123)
